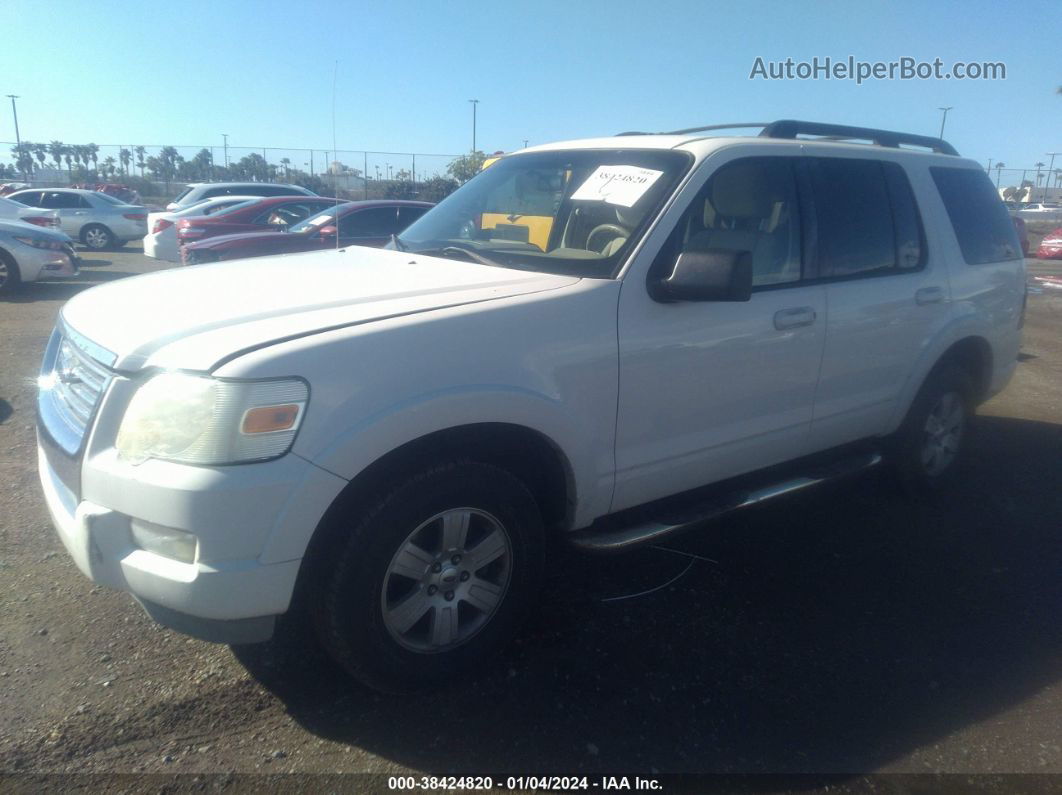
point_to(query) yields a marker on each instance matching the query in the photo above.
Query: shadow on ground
(836, 631)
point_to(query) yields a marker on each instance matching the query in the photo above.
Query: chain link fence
(352, 173)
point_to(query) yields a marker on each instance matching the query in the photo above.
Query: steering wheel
(614, 231)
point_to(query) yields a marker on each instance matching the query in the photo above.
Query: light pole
(18, 139)
(474, 103)
(226, 137)
(944, 119)
(1050, 168)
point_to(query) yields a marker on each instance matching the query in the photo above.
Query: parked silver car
(29, 252)
(95, 219)
(197, 191)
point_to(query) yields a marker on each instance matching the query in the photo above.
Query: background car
(361, 223)
(161, 240)
(255, 215)
(1051, 245)
(17, 211)
(122, 193)
(197, 191)
(29, 253)
(97, 220)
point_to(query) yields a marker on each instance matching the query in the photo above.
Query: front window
(567, 212)
(325, 217)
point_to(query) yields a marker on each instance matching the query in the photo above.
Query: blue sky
(261, 71)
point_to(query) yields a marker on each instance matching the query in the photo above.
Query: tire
(927, 448)
(10, 277)
(97, 237)
(403, 569)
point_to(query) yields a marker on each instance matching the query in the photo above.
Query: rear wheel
(97, 237)
(433, 579)
(10, 278)
(927, 447)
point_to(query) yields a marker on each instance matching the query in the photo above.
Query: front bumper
(229, 602)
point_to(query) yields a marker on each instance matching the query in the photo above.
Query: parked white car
(161, 240)
(391, 439)
(95, 219)
(1040, 211)
(197, 191)
(30, 252)
(16, 211)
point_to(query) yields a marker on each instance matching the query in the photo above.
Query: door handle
(794, 318)
(929, 295)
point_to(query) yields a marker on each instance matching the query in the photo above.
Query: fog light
(165, 541)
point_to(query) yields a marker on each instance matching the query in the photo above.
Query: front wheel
(434, 578)
(927, 447)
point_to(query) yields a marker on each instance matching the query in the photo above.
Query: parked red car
(1051, 245)
(361, 223)
(273, 214)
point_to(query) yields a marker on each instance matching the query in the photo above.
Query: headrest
(743, 190)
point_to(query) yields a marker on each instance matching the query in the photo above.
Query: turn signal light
(267, 419)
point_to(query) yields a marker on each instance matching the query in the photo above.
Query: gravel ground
(848, 630)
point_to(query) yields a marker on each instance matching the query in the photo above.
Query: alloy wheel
(446, 580)
(943, 433)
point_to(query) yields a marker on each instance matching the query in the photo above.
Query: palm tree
(41, 151)
(57, 150)
(285, 161)
(999, 169)
(108, 166)
(140, 152)
(92, 152)
(125, 157)
(68, 157)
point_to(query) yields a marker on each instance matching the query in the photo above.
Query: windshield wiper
(398, 244)
(450, 252)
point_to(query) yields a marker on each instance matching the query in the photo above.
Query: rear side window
(981, 222)
(854, 217)
(62, 201)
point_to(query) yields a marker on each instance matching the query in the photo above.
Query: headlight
(40, 242)
(198, 420)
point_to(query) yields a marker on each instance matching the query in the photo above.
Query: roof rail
(791, 128)
(731, 126)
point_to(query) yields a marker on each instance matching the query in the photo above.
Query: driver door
(710, 390)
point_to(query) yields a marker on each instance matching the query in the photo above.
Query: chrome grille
(73, 387)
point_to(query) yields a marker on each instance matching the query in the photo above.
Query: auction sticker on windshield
(622, 185)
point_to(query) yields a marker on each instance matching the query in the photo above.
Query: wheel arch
(526, 453)
(970, 351)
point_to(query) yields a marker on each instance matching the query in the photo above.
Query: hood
(15, 227)
(194, 317)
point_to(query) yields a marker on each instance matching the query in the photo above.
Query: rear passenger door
(885, 295)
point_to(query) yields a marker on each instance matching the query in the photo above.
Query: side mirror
(328, 231)
(713, 274)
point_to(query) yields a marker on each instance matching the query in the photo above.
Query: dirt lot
(842, 631)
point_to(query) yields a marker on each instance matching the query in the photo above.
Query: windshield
(108, 197)
(314, 222)
(566, 212)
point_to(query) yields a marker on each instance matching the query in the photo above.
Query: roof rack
(791, 128)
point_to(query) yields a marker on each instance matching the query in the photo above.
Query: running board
(625, 538)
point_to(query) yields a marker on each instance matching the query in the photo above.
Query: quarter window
(981, 222)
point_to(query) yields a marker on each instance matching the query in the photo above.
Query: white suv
(390, 438)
